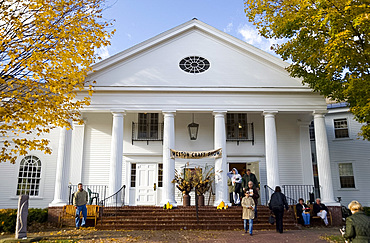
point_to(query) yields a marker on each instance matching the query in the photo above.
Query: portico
(141, 109)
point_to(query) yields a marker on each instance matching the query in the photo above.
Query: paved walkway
(309, 235)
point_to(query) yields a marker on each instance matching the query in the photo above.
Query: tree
(46, 50)
(328, 44)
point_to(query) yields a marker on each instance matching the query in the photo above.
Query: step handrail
(115, 195)
(267, 196)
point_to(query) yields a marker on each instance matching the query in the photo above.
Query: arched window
(29, 176)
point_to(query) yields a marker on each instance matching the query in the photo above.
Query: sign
(196, 154)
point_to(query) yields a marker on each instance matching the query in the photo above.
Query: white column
(168, 190)
(323, 159)
(77, 151)
(272, 164)
(116, 155)
(306, 156)
(62, 172)
(220, 163)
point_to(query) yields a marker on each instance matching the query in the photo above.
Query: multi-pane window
(29, 176)
(341, 128)
(133, 175)
(148, 126)
(236, 126)
(346, 176)
(160, 175)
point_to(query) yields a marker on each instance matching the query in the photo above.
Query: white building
(349, 155)
(244, 101)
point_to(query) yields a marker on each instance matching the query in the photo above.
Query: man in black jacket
(247, 177)
(321, 210)
(277, 204)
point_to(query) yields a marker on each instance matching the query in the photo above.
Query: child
(248, 212)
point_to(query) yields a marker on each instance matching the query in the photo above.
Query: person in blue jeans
(248, 212)
(303, 213)
(79, 201)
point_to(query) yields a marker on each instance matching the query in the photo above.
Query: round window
(194, 64)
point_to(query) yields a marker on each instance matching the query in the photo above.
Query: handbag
(271, 219)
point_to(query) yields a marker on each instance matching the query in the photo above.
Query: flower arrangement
(202, 181)
(194, 178)
(184, 181)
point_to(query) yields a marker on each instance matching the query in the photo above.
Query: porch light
(193, 130)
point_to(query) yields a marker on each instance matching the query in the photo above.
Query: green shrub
(8, 218)
(38, 215)
(367, 211)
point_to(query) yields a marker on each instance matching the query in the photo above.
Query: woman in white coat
(236, 180)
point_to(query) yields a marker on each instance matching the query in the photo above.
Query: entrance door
(147, 183)
(242, 168)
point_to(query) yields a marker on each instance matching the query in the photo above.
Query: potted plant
(184, 184)
(202, 181)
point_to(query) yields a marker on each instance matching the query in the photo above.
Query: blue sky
(139, 20)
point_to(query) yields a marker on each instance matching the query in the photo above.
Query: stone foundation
(336, 213)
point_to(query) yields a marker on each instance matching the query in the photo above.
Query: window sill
(31, 198)
(341, 139)
(348, 189)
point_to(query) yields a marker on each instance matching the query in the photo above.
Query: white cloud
(228, 28)
(103, 52)
(250, 35)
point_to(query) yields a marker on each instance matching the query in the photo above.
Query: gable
(233, 63)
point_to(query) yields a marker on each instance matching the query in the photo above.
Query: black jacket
(300, 208)
(278, 201)
(252, 177)
(318, 207)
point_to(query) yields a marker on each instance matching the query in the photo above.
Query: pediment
(155, 63)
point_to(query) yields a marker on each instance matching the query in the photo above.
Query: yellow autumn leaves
(46, 50)
(198, 178)
(327, 44)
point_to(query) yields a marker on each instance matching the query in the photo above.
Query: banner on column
(217, 153)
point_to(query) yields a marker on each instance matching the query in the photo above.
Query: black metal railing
(147, 132)
(269, 191)
(96, 193)
(113, 201)
(307, 192)
(238, 135)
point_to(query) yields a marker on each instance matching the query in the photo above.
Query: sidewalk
(309, 235)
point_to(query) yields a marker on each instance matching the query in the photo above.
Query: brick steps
(157, 218)
(190, 226)
(183, 218)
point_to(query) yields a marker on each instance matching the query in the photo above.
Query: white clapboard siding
(289, 154)
(97, 147)
(353, 150)
(9, 176)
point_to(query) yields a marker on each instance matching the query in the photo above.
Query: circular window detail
(194, 64)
